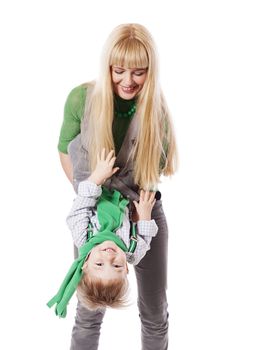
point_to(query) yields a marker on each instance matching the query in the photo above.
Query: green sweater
(74, 112)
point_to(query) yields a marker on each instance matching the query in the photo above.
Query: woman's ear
(127, 268)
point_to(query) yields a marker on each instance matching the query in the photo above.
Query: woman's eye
(118, 72)
(138, 74)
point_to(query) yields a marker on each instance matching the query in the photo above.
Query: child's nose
(109, 255)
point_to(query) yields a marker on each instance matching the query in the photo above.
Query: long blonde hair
(154, 153)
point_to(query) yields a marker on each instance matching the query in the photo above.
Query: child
(100, 226)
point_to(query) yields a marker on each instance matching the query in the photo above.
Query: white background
(211, 56)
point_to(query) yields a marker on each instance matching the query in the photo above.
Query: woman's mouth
(128, 90)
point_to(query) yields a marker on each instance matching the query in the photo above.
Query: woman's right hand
(104, 167)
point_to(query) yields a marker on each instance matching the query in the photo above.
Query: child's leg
(86, 331)
(151, 275)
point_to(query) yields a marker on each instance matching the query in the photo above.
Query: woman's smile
(127, 83)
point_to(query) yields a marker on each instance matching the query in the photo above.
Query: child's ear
(85, 265)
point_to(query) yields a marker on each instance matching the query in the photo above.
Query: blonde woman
(125, 110)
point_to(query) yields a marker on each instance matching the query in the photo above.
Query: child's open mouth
(110, 250)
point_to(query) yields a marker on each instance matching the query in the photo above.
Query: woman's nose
(128, 79)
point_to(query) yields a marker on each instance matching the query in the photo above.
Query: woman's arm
(66, 165)
(73, 114)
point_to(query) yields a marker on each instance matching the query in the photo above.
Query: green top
(74, 112)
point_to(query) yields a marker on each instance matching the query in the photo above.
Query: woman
(125, 110)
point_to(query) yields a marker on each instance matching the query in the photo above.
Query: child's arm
(88, 193)
(82, 211)
(145, 205)
(104, 168)
(146, 228)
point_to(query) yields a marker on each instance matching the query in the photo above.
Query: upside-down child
(108, 237)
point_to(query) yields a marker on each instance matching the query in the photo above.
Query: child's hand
(104, 168)
(145, 205)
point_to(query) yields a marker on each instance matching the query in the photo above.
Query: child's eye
(117, 266)
(99, 264)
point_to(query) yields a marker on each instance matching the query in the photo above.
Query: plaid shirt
(83, 211)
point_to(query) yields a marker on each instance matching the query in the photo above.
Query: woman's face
(127, 82)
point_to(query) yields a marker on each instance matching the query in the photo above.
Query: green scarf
(110, 212)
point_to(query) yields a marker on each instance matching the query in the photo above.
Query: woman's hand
(145, 205)
(104, 168)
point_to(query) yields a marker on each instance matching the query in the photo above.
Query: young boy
(101, 229)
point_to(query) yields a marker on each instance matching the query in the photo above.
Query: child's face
(106, 261)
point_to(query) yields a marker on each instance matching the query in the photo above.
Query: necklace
(127, 114)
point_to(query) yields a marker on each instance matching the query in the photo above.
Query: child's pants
(151, 274)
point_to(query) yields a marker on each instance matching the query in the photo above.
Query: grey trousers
(151, 274)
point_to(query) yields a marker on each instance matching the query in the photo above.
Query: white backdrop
(211, 56)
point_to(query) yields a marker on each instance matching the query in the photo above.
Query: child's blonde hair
(132, 46)
(97, 294)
